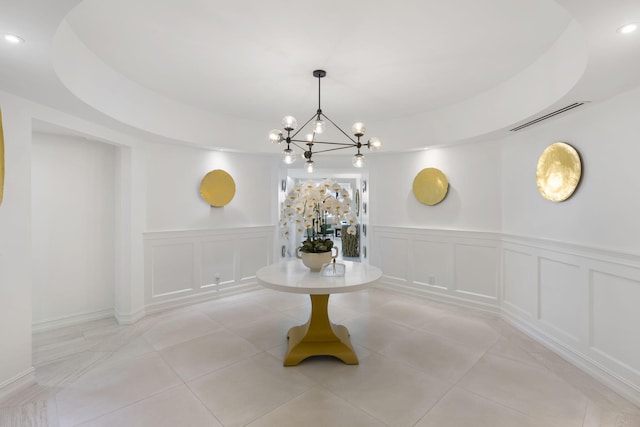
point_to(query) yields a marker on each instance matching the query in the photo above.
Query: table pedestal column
(319, 337)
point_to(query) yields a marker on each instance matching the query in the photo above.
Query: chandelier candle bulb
(289, 123)
(358, 129)
(374, 144)
(319, 126)
(275, 136)
(358, 160)
(288, 156)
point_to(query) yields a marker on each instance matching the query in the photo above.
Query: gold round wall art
(430, 186)
(217, 188)
(558, 172)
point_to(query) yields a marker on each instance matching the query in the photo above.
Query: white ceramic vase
(315, 261)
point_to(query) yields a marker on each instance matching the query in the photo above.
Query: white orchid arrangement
(307, 206)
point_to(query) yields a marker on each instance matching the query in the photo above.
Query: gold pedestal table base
(319, 337)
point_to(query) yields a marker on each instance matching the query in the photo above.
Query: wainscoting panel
(394, 257)
(431, 263)
(476, 270)
(580, 302)
(562, 298)
(454, 266)
(217, 262)
(171, 269)
(255, 252)
(519, 280)
(615, 306)
(182, 267)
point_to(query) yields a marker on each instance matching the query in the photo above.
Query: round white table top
(293, 276)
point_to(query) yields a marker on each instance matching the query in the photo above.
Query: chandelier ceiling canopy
(316, 129)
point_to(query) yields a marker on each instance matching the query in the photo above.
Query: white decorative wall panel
(580, 302)
(476, 270)
(562, 298)
(431, 263)
(519, 282)
(172, 269)
(188, 266)
(394, 254)
(615, 321)
(586, 302)
(217, 262)
(255, 254)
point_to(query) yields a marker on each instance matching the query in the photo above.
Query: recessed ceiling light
(12, 38)
(628, 29)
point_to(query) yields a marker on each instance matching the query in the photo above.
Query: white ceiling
(248, 63)
(384, 61)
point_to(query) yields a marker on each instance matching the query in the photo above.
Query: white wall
(603, 212)
(173, 188)
(73, 216)
(472, 202)
(15, 249)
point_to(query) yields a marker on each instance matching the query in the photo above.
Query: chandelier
(289, 123)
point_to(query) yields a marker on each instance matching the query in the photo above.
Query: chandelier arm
(293, 142)
(346, 144)
(338, 127)
(332, 149)
(302, 127)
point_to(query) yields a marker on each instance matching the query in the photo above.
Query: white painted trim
(438, 232)
(70, 320)
(17, 383)
(221, 292)
(423, 292)
(129, 318)
(203, 233)
(599, 254)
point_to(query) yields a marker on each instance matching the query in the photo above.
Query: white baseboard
(16, 383)
(129, 318)
(457, 301)
(589, 366)
(173, 303)
(70, 320)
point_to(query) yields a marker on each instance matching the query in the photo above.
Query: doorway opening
(351, 247)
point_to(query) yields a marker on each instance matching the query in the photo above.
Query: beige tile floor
(219, 363)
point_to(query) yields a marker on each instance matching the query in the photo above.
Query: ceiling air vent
(548, 116)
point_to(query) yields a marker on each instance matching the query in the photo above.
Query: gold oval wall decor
(217, 188)
(558, 172)
(430, 186)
